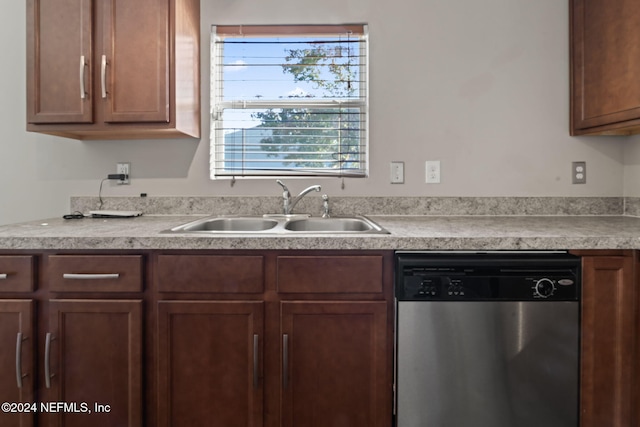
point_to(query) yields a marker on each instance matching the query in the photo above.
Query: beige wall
(632, 167)
(480, 86)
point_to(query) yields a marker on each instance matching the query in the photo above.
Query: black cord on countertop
(100, 192)
(74, 215)
(78, 214)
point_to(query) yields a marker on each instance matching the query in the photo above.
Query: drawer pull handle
(285, 360)
(83, 64)
(47, 360)
(3, 276)
(79, 276)
(103, 75)
(19, 375)
(256, 341)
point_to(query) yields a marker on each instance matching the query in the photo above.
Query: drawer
(210, 273)
(330, 274)
(16, 273)
(94, 273)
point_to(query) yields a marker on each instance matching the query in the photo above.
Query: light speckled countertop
(406, 233)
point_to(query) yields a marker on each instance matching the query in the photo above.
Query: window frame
(218, 104)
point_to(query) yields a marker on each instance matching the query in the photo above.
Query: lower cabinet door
(210, 363)
(93, 363)
(335, 366)
(608, 338)
(17, 341)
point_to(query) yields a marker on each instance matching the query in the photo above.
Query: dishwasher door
(488, 364)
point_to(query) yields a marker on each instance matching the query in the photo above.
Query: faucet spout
(290, 202)
(303, 193)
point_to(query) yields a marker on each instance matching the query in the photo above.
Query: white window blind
(289, 101)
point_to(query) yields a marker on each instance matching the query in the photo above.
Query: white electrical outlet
(124, 168)
(432, 168)
(397, 172)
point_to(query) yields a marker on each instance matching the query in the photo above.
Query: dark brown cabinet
(17, 370)
(91, 325)
(252, 338)
(609, 331)
(113, 69)
(605, 90)
(334, 364)
(272, 339)
(210, 363)
(18, 339)
(93, 360)
(335, 339)
(71, 335)
(210, 338)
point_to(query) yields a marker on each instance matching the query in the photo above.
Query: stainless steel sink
(227, 224)
(279, 224)
(333, 225)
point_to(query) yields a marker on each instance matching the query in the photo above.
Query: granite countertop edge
(406, 233)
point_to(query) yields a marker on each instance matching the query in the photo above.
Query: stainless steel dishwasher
(487, 339)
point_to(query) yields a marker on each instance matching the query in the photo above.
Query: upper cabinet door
(134, 61)
(59, 61)
(605, 62)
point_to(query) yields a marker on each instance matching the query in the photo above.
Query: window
(289, 101)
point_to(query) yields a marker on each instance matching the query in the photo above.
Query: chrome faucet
(288, 202)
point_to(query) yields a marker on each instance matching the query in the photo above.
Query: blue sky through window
(253, 70)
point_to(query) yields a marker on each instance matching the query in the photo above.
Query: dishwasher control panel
(424, 276)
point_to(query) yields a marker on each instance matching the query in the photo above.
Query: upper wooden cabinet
(113, 69)
(605, 62)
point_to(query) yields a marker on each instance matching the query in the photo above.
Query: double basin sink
(280, 224)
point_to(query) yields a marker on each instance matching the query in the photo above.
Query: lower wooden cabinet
(609, 364)
(210, 363)
(90, 364)
(93, 361)
(17, 370)
(301, 340)
(334, 364)
(252, 339)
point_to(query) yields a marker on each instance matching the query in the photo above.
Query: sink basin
(280, 224)
(228, 224)
(333, 225)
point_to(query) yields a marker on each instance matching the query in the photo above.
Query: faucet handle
(325, 206)
(281, 184)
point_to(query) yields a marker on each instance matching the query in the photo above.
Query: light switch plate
(397, 172)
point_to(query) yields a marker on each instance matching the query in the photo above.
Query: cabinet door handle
(47, 359)
(19, 359)
(83, 92)
(256, 341)
(103, 75)
(90, 276)
(3, 276)
(285, 360)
